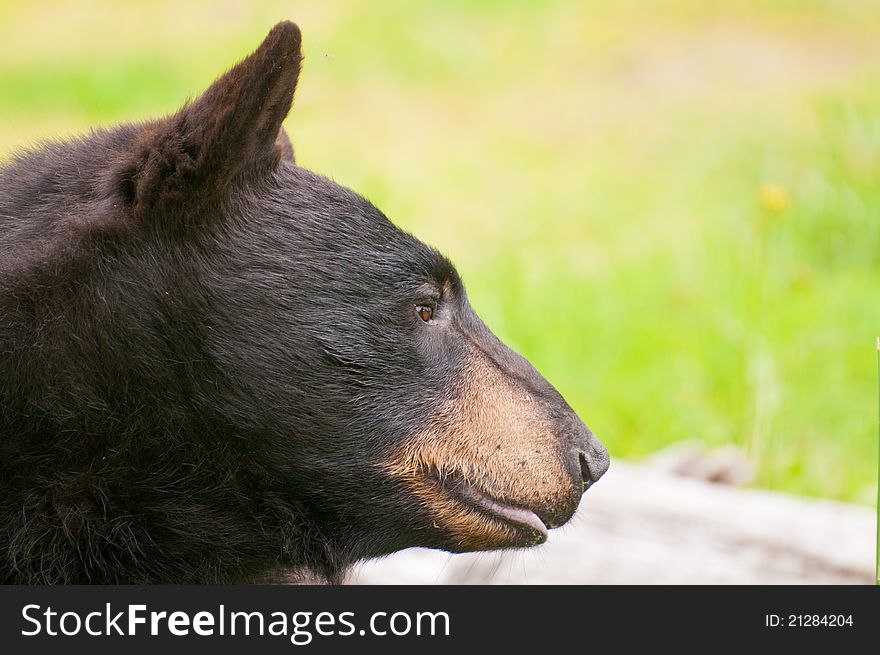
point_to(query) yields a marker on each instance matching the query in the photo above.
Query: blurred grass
(670, 207)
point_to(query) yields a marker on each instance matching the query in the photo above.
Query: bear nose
(594, 461)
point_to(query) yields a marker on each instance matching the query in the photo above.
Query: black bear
(217, 366)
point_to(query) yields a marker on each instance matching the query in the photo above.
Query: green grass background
(671, 207)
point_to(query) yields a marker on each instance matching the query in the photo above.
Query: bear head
(228, 311)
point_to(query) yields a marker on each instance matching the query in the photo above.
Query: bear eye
(425, 312)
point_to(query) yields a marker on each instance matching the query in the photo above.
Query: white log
(640, 525)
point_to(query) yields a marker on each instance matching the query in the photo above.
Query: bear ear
(285, 147)
(231, 132)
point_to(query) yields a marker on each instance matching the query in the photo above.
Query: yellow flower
(773, 197)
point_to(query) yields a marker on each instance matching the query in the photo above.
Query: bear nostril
(586, 476)
(591, 473)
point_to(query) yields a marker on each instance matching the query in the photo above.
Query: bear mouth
(525, 522)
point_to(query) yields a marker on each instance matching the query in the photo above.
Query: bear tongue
(511, 513)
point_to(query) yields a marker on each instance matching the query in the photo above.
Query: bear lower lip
(511, 514)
